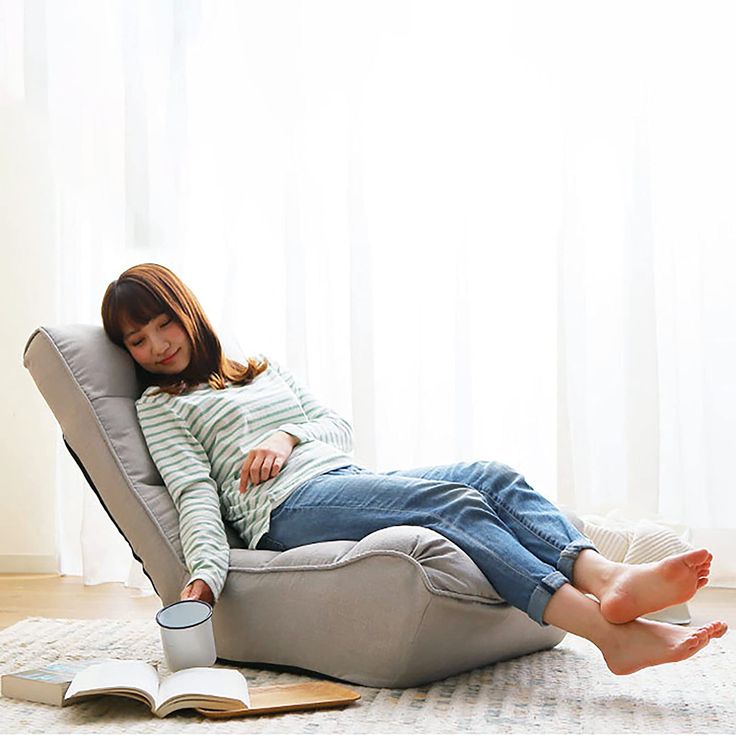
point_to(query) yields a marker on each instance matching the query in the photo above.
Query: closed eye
(165, 323)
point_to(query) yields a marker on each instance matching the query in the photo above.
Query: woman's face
(161, 346)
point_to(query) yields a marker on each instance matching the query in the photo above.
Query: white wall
(28, 430)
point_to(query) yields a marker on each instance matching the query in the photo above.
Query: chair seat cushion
(399, 608)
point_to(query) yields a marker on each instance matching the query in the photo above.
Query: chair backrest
(91, 386)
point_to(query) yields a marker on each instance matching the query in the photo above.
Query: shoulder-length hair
(147, 290)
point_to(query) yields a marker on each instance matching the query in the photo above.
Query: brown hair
(143, 292)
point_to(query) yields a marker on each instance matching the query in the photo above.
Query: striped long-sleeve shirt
(199, 442)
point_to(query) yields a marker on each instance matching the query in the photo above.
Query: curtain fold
(477, 230)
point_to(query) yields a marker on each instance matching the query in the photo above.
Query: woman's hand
(198, 590)
(266, 460)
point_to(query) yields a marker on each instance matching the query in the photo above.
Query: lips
(168, 360)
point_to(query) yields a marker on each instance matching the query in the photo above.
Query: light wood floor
(54, 596)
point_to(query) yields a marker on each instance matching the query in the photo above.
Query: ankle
(593, 573)
(570, 610)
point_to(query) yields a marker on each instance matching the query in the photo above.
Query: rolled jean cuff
(570, 554)
(542, 593)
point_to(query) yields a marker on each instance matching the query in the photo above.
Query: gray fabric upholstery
(402, 607)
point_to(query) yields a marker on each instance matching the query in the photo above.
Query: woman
(248, 443)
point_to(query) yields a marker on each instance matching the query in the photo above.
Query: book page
(204, 682)
(116, 675)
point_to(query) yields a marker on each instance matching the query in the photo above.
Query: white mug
(186, 634)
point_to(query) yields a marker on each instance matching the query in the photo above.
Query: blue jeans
(519, 540)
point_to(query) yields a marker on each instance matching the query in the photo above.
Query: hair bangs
(134, 305)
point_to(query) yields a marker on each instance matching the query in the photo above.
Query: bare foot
(639, 644)
(635, 590)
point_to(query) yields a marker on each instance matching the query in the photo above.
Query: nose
(161, 346)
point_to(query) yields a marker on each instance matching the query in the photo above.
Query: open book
(211, 688)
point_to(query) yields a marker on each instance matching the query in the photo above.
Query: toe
(697, 640)
(721, 629)
(715, 629)
(697, 557)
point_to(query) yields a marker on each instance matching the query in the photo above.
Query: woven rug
(567, 689)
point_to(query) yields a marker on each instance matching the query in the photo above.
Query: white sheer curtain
(478, 230)
(647, 350)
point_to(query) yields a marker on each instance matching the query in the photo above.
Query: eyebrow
(126, 335)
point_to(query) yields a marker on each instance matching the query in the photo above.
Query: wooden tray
(282, 698)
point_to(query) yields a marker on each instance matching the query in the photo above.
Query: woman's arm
(185, 470)
(320, 423)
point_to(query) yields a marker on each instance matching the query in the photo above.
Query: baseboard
(29, 564)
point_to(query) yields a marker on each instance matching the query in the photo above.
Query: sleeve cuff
(295, 430)
(215, 587)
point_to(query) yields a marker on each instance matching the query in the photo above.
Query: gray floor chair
(402, 607)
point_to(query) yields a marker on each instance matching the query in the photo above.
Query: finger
(276, 467)
(245, 470)
(266, 468)
(255, 470)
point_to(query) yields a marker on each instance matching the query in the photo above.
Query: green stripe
(199, 421)
(276, 419)
(234, 419)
